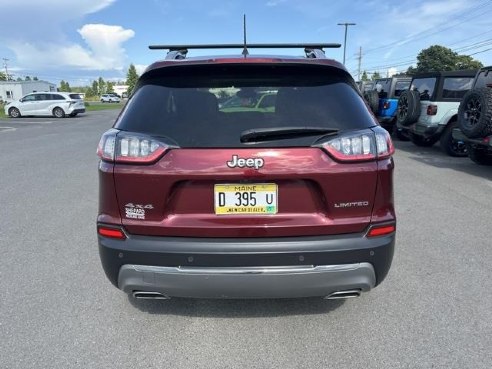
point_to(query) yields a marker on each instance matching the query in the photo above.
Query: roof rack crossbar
(312, 50)
(241, 46)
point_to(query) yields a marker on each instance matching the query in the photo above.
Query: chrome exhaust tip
(347, 294)
(149, 295)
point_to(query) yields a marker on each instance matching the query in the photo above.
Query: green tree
(65, 87)
(439, 58)
(364, 76)
(3, 77)
(27, 78)
(467, 62)
(109, 87)
(19, 79)
(101, 84)
(95, 88)
(131, 78)
(375, 76)
(35, 78)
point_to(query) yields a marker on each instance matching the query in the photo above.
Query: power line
(401, 62)
(479, 52)
(425, 33)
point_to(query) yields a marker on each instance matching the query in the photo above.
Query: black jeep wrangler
(475, 118)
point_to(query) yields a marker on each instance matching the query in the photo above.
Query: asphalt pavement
(58, 310)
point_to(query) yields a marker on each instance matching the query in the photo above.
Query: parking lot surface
(57, 310)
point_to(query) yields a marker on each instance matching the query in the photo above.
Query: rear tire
(475, 113)
(14, 113)
(451, 146)
(479, 156)
(422, 141)
(58, 112)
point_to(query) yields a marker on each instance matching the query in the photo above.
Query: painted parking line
(7, 129)
(35, 122)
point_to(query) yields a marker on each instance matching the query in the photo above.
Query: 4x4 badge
(238, 162)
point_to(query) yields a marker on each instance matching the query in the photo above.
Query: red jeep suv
(294, 199)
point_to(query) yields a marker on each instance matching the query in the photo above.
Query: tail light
(386, 105)
(125, 147)
(431, 109)
(363, 145)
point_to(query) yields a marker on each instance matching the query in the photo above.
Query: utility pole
(345, 40)
(360, 62)
(5, 60)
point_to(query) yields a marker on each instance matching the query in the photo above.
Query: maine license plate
(245, 199)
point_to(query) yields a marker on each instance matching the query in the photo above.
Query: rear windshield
(401, 86)
(383, 87)
(424, 86)
(212, 108)
(484, 79)
(75, 96)
(455, 87)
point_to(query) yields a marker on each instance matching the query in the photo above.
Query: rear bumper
(247, 282)
(477, 142)
(245, 267)
(425, 130)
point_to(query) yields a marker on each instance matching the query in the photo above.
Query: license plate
(245, 199)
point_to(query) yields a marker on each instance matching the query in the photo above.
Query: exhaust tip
(347, 294)
(149, 295)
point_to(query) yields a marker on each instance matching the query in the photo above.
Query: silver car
(57, 104)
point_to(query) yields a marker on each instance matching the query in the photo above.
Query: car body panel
(311, 187)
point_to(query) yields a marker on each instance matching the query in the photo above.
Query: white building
(120, 89)
(14, 90)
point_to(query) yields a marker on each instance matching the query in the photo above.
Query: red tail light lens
(125, 147)
(111, 233)
(386, 105)
(381, 230)
(363, 145)
(431, 109)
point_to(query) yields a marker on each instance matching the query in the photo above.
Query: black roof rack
(312, 50)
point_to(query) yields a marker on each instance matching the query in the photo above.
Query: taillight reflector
(111, 233)
(431, 109)
(381, 230)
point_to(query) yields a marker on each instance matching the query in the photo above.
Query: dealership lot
(57, 309)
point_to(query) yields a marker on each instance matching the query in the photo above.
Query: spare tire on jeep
(408, 107)
(475, 113)
(372, 98)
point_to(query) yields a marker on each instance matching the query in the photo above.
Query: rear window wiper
(283, 133)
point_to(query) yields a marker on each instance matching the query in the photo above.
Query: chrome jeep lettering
(236, 161)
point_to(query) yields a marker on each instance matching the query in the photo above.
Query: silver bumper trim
(247, 282)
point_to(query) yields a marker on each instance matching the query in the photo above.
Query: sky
(79, 41)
